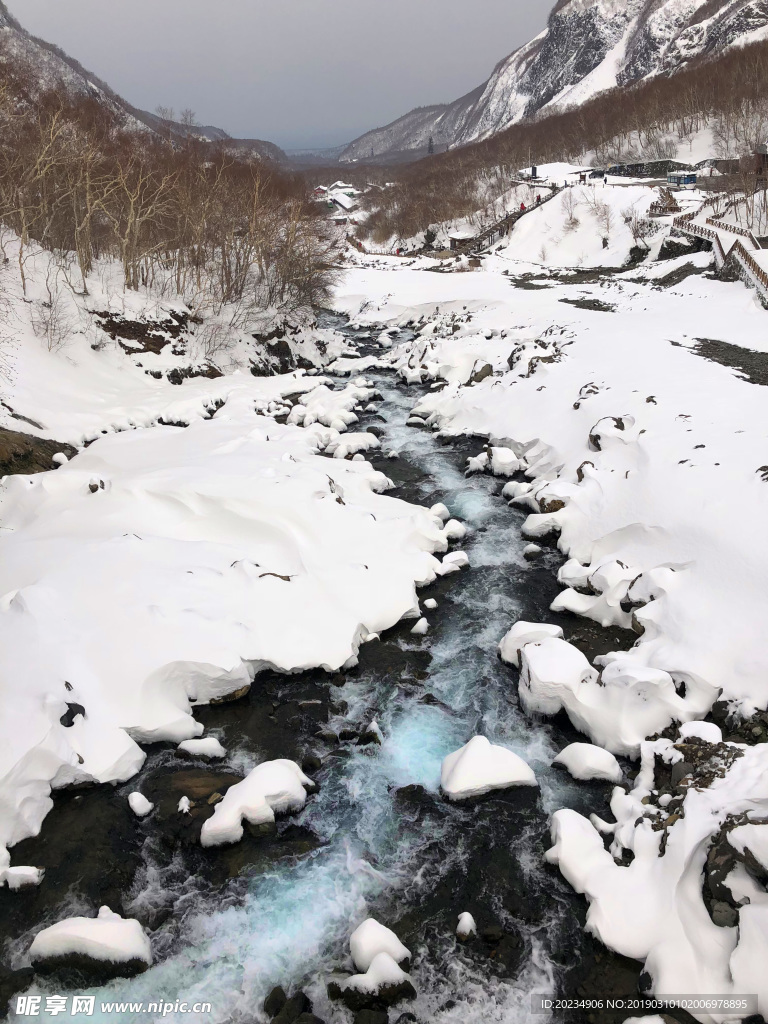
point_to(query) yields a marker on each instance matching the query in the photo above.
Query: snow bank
(654, 909)
(617, 709)
(107, 937)
(273, 787)
(226, 547)
(480, 767)
(97, 378)
(586, 761)
(371, 938)
(569, 231)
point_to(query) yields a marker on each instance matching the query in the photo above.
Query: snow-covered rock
(617, 708)
(523, 633)
(207, 746)
(22, 876)
(108, 940)
(384, 980)
(466, 926)
(653, 908)
(371, 938)
(139, 804)
(707, 731)
(479, 767)
(273, 787)
(421, 627)
(454, 561)
(454, 530)
(586, 761)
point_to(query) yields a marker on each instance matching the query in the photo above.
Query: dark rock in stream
(12, 982)
(293, 1008)
(372, 1017)
(275, 1001)
(385, 995)
(73, 970)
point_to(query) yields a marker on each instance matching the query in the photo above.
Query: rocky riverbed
(376, 837)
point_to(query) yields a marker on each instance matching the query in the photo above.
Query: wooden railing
(750, 264)
(738, 251)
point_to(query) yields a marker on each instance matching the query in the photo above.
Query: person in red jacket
(522, 207)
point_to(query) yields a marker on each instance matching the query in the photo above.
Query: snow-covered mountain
(588, 46)
(50, 68)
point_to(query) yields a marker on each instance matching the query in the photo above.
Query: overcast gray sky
(296, 72)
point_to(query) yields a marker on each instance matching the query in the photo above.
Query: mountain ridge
(587, 47)
(52, 68)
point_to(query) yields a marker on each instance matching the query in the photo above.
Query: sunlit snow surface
(294, 924)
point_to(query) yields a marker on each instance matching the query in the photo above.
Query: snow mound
(454, 530)
(330, 408)
(208, 746)
(272, 787)
(586, 761)
(107, 937)
(523, 633)
(371, 938)
(480, 767)
(707, 731)
(499, 461)
(139, 804)
(383, 973)
(466, 926)
(22, 876)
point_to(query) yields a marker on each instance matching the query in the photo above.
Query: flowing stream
(377, 838)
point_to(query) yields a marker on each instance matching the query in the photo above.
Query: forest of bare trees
(182, 215)
(726, 95)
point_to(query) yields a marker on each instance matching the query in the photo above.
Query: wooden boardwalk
(730, 243)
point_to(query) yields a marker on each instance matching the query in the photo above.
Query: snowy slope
(587, 47)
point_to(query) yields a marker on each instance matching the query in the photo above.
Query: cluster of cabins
(340, 199)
